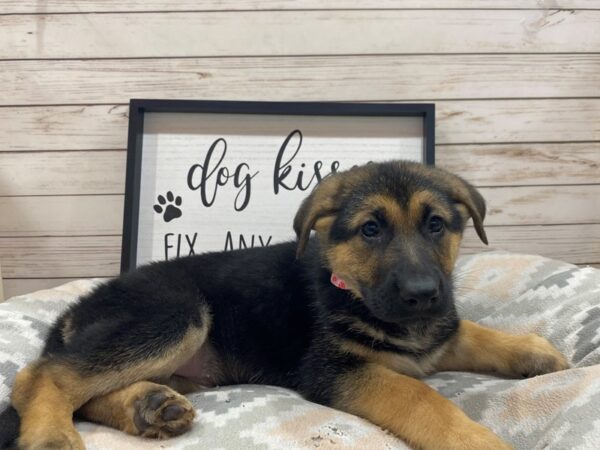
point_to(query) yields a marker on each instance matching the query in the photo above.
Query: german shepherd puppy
(349, 318)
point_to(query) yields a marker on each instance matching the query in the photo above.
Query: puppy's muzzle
(408, 294)
(420, 293)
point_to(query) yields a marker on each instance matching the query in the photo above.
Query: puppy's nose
(420, 293)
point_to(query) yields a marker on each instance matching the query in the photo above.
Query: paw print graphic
(169, 207)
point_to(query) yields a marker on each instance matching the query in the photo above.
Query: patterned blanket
(517, 293)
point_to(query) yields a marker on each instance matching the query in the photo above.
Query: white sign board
(220, 181)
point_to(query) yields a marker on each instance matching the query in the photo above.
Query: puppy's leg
(142, 409)
(48, 392)
(411, 410)
(45, 409)
(479, 349)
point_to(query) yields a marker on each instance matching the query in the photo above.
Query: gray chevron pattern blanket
(517, 293)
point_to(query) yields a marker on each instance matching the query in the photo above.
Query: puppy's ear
(319, 208)
(475, 203)
(465, 194)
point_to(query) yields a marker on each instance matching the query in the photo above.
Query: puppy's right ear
(319, 207)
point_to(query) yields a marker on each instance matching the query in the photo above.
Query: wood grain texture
(523, 164)
(70, 6)
(98, 256)
(103, 172)
(62, 173)
(63, 128)
(103, 214)
(518, 121)
(511, 120)
(542, 205)
(357, 78)
(501, 121)
(2, 295)
(272, 33)
(50, 257)
(61, 216)
(573, 243)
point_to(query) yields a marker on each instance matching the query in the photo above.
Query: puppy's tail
(9, 428)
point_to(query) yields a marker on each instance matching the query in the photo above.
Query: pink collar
(338, 282)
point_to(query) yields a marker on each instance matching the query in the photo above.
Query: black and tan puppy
(350, 318)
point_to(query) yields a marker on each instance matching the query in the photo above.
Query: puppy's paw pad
(163, 413)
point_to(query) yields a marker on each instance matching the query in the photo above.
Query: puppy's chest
(410, 365)
(415, 353)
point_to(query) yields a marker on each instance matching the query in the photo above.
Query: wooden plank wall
(516, 83)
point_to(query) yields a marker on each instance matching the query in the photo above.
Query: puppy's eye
(436, 224)
(370, 229)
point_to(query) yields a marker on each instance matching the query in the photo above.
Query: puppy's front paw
(537, 356)
(476, 437)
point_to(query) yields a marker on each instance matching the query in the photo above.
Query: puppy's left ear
(320, 206)
(464, 193)
(475, 203)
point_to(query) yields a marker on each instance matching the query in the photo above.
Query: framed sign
(206, 175)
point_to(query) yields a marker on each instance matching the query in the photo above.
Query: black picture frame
(138, 107)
